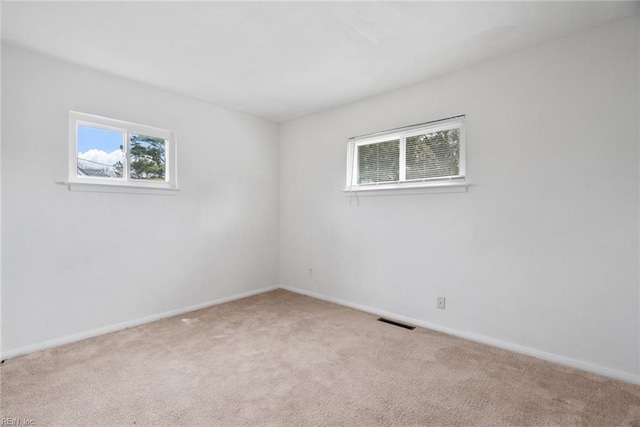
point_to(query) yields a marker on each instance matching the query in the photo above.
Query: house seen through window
(107, 151)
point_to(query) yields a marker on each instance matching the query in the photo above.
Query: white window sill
(397, 190)
(95, 187)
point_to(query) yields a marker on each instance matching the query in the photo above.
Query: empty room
(320, 213)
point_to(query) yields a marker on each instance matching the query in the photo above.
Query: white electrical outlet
(441, 302)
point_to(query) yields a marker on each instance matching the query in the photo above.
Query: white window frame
(124, 184)
(402, 134)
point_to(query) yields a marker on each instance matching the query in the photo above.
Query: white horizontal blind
(418, 155)
(379, 162)
(433, 155)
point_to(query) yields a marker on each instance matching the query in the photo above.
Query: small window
(105, 151)
(431, 154)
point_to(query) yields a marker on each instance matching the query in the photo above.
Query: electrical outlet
(311, 272)
(441, 303)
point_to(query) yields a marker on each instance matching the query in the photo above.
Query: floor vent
(394, 323)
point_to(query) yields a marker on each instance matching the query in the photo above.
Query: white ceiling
(281, 60)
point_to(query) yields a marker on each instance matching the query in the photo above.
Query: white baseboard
(128, 324)
(562, 360)
(596, 369)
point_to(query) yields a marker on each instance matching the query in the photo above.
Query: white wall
(73, 261)
(541, 252)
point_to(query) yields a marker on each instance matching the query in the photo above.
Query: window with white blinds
(430, 154)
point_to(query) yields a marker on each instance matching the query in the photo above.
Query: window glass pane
(100, 152)
(379, 162)
(433, 155)
(148, 157)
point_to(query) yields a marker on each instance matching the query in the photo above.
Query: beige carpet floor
(282, 359)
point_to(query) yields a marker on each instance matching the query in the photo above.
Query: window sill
(397, 190)
(95, 187)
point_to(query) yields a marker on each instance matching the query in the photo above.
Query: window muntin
(414, 156)
(106, 151)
